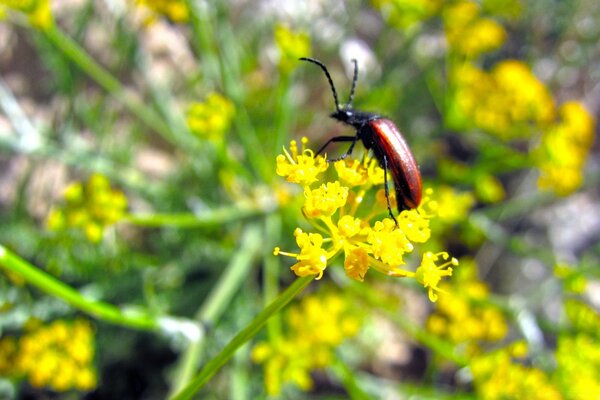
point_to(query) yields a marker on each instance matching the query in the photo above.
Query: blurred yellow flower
(37, 11)
(507, 102)
(291, 46)
(564, 148)
(59, 356)
(91, 208)
(469, 34)
(578, 366)
(212, 118)
(407, 14)
(313, 329)
(175, 10)
(497, 376)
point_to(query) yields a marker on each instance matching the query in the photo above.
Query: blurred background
(140, 204)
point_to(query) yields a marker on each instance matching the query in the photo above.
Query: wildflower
(506, 102)
(407, 14)
(58, 356)
(430, 274)
(291, 45)
(365, 241)
(313, 329)
(175, 10)
(578, 363)
(453, 206)
(497, 375)
(211, 119)
(564, 148)
(469, 34)
(37, 11)
(463, 316)
(91, 208)
(301, 168)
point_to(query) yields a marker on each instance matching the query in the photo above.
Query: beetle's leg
(387, 189)
(352, 139)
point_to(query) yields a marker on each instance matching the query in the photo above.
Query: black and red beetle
(380, 135)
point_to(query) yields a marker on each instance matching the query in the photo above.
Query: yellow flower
(407, 14)
(38, 11)
(211, 119)
(58, 355)
(90, 208)
(313, 328)
(303, 168)
(507, 102)
(176, 10)
(291, 45)
(497, 376)
(429, 274)
(325, 200)
(334, 210)
(469, 34)
(564, 148)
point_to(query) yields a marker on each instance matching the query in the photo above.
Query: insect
(380, 135)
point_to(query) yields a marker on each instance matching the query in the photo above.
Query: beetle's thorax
(355, 118)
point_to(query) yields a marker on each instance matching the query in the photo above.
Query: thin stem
(54, 287)
(211, 367)
(213, 217)
(218, 300)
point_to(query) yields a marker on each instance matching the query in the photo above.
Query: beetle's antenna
(324, 68)
(353, 83)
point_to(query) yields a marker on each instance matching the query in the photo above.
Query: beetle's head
(344, 114)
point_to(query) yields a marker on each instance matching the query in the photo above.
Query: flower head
(349, 221)
(212, 118)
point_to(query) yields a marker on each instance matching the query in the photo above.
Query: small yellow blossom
(469, 34)
(38, 11)
(175, 10)
(91, 208)
(453, 206)
(464, 316)
(58, 356)
(291, 45)
(507, 102)
(407, 14)
(212, 118)
(578, 364)
(497, 376)
(365, 241)
(564, 148)
(313, 329)
(302, 168)
(325, 200)
(430, 274)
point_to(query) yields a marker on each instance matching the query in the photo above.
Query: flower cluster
(564, 148)
(506, 102)
(499, 375)
(58, 356)
(463, 317)
(469, 34)
(578, 366)
(291, 46)
(212, 118)
(175, 10)
(407, 14)
(315, 327)
(91, 207)
(37, 11)
(346, 218)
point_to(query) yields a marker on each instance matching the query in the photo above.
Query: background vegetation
(141, 200)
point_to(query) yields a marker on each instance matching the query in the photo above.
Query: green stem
(54, 287)
(212, 366)
(218, 299)
(348, 377)
(272, 266)
(78, 55)
(187, 220)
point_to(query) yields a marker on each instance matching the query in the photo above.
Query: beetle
(384, 139)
